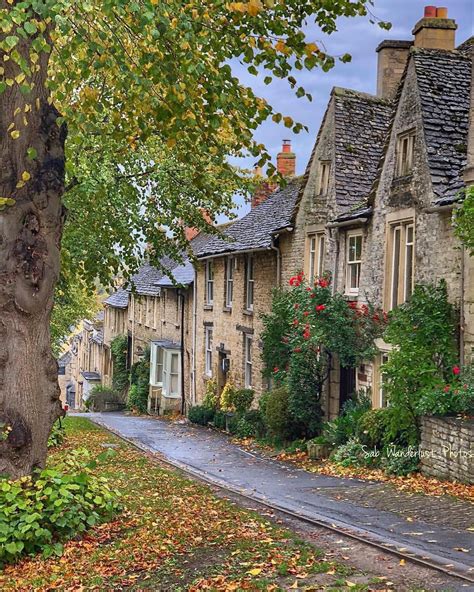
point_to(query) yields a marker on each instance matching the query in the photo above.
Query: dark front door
(347, 385)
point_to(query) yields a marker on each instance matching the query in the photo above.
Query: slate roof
(118, 299)
(361, 125)
(64, 359)
(98, 337)
(254, 231)
(182, 275)
(444, 82)
(91, 375)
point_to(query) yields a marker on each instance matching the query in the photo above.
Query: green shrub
(140, 384)
(211, 400)
(341, 429)
(423, 332)
(278, 420)
(242, 400)
(400, 460)
(38, 513)
(201, 415)
(452, 399)
(56, 435)
(250, 425)
(119, 350)
(355, 454)
(219, 420)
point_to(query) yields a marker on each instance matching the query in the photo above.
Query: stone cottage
(235, 276)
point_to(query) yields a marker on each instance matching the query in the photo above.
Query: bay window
(165, 368)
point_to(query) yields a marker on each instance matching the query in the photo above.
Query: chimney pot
(286, 146)
(435, 30)
(442, 13)
(430, 11)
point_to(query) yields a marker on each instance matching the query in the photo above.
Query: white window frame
(249, 282)
(229, 281)
(248, 364)
(324, 176)
(208, 336)
(167, 374)
(405, 153)
(352, 262)
(156, 360)
(209, 281)
(317, 245)
(401, 253)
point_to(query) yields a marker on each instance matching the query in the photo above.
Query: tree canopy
(153, 108)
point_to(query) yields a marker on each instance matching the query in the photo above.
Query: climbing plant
(119, 350)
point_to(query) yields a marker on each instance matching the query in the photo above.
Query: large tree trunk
(30, 235)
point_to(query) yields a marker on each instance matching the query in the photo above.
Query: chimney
(435, 30)
(392, 59)
(191, 233)
(286, 160)
(286, 166)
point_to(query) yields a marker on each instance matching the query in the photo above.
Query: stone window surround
(324, 175)
(249, 283)
(405, 139)
(317, 231)
(208, 340)
(230, 266)
(209, 282)
(348, 290)
(403, 218)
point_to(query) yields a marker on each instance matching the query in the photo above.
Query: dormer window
(405, 153)
(323, 177)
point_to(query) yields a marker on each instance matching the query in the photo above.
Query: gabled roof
(145, 281)
(361, 124)
(444, 83)
(182, 275)
(118, 299)
(255, 230)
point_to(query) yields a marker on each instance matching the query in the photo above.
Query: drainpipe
(193, 352)
(278, 252)
(183, 397)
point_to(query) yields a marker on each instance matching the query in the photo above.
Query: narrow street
(430, 528)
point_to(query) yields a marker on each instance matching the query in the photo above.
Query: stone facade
(447, 448)
(232, 325)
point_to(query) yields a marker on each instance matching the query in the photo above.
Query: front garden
(119, 521)
(308, 332)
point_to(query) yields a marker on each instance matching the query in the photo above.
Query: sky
(358, 37)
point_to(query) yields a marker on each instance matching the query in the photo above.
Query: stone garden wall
(447, 448)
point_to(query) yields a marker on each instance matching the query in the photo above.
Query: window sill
(248, 312)
(351, 295)
(227, 309)
(170, 396)
(208, 307)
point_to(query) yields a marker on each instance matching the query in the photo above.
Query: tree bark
(30, 236)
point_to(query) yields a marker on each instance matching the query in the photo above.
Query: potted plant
(318, 448)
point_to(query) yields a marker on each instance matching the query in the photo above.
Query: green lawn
(174, 534)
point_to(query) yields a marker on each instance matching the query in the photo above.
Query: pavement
(429, 528)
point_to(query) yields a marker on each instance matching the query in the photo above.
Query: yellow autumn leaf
(254, 7)
(25, 176)
(350, 584)
(402, 562)
(255, 572)
(15, 134)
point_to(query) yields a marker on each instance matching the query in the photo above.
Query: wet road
(211, 455)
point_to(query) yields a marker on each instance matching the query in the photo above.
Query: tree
(153, 110)
(307, 329)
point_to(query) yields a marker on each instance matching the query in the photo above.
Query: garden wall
(447, 448)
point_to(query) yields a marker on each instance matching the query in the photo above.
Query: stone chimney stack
(435, 30)
(393, 57)
(286, 160)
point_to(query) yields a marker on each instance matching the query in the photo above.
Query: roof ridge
(343, 92)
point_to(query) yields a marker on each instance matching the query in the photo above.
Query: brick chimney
(286, 166)
(435, 30)
(286, 160)
(392, 59)
(191, 233)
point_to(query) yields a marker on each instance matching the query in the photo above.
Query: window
(249, 282)
(248, 360)
(208, 344)
(165, 370)
(156, 365)
(402, 262)
(316, 255)
(209, 282)
(323, 177)
(405, 153)
(354, 262)
(229, 281)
